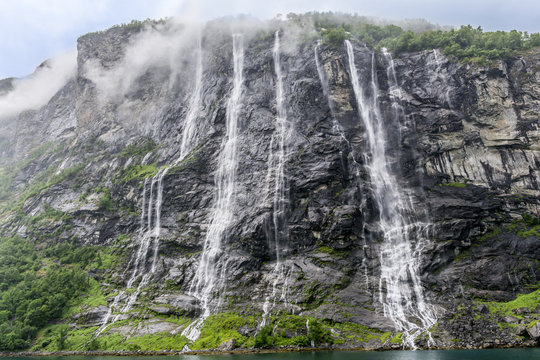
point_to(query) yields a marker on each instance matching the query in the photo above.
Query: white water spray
(394, 90)
(149, 233)
(404, 302)
(209, 276)
(442, 75)
(150, 227)
(189, 133)
(276, 162)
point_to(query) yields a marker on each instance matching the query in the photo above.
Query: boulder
(534, 331)
(228, 345)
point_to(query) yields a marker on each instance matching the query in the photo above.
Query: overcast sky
(34, 30)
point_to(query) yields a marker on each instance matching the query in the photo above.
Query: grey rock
(175, 303)
(150, 326)
(511, 319)
(534, 331)
(92, 316)
(520, 330)
(228, 345)
(522, 311)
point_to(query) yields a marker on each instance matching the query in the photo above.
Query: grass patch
(454, 184)
(139, 149)
(330, 251)
(385, 337)
(157, 342)
(222, 327)
(397, 338)
(136, 173)
(357, 332)
(533, 231)
(530, 301)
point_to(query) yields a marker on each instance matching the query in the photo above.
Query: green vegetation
(530, 301)
(454, 184)
(334, 37)
(191, 158)
(38, 287)
(133, 24)
(385, 337)
(467, 43)
(89, 257)
(137, 173)
(292, 330)
(532, 226)
(396, 339)
(529, 225)
(222, 327)
(157, 342)
(105, 203)
(61, 337)
(356, 332)
(41, 182)
(330, 251)
(32, 294)
(8, 173)
(139, 150)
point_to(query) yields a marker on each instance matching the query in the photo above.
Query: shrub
(334, 37)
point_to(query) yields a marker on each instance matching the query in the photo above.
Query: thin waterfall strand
(148, 234)
(442, 75)
(279, 203)
(189, 133)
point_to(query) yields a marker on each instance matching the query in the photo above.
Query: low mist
(34, 91)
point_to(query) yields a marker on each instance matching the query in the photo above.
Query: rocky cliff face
(305, 236)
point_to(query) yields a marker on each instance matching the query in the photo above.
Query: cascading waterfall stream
(189, 133)
(279, 202)
(153, 232)
(149, 235)
(208, 275)
(443, 76)
(394, 90)
(399, 257)
(150, 232)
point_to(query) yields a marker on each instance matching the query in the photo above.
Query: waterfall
(442, 75)
(207, 277)
(148, 235)
(308, 334)
(150, 221)
(399, 256)
(283, 131)
(394, 90)
(276, 165)
(189, 133)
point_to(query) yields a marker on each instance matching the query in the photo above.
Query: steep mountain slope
(246, 181)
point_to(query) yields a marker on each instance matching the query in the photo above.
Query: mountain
(245, 184)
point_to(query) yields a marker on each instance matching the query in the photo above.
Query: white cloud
(33, 30)
(154, 47)
(37, 89)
